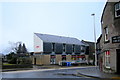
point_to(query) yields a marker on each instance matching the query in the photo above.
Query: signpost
(116, 39)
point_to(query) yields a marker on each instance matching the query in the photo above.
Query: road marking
(78, 75)
(115, 78)
(47, 69)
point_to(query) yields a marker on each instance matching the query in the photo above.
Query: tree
(13, 47)
(19, 49)
(16, 54)
(12, 58)
(24, 50)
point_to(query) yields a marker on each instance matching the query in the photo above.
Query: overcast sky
(20, 20)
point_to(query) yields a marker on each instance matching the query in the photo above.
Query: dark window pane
(47, 47)
(58, 48)
(68, 48)
(77, 49)
(118, 12)
(117, 6)
(87, 50)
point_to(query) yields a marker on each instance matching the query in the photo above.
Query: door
(34, 61)
(52, 59)
(118, 60)
(63, 57)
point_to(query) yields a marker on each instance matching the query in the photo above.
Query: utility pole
(94, 38)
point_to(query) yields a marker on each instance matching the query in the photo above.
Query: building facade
(90, 51)
(109, 57)
(51, 49)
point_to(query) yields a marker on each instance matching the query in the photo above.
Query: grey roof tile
(58, 39)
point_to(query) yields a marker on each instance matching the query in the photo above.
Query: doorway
(34, 61)
(63, 57)
(52, 59)
(118, 60)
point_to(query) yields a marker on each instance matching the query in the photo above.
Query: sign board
(116, 39)
(37, 46)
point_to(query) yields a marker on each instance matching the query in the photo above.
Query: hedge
(17, 66)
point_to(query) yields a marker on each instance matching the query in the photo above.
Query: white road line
(46, 69)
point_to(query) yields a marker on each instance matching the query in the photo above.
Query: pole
(94, 38)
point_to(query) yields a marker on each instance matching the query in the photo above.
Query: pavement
(94, 72)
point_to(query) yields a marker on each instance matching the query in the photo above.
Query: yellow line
(115, 78)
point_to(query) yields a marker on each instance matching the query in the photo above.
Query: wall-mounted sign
(37, 46)
(116, 39)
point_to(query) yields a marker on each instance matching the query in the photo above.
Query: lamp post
(94, 38)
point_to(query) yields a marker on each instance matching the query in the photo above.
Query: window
(106, 33)
(117, 10)
(107, 59)
(83, 49)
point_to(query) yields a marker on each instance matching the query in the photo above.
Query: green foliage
(13, 60)
(21, 56)
(7, 64)
(11, 57)
(25, 60)
(17, 66)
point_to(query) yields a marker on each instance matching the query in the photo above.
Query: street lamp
(94, 38)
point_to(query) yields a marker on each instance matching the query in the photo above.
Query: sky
(20, 20)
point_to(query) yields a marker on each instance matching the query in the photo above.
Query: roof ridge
(59, 39)
(56, 35)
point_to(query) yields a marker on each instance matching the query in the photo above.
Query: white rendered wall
(38, 44)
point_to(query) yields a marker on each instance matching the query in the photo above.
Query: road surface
(44, 73)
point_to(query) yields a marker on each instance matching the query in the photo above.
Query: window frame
(73, 48)
(53, 47)
(64, 47)
(115, 9)
(106, 30)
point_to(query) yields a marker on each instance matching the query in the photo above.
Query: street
(48, 73)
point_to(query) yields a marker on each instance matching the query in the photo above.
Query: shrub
(13, 60)
(16, 66)
(25, 61)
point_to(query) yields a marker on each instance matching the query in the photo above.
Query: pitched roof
(98, 40)
(104, 11)
(86, 44)
(58, 39)
(106, 4)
